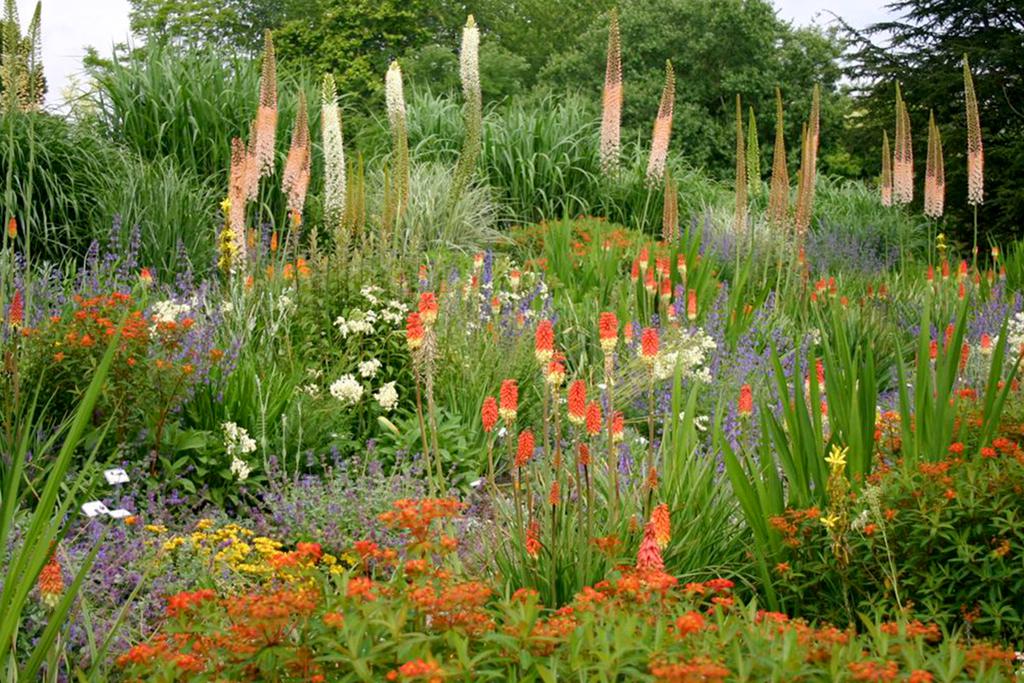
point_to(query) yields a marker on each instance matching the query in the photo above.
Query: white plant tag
(95, 508)
(116, 476)
(120, 513)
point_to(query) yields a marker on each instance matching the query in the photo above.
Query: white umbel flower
(347, 389)
(240, 469)
(237, 440)
(368, 369)
(387, 397)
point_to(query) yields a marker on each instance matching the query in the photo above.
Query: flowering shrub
(414, 617)
(155, 366)
(938, 540)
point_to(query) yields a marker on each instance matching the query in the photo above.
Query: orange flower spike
(691, 305)
(578, 402)
(555, 496)
(51, 582)
(414, 331)
(649, 283)
(533, 539)
(608, 329)
(16, 311)
(12, 228)
(428, 308)
(649, 556)
(649, 345)
(273, 242)
(584, 454)
(544, 342)
(509, 400)
(634, 272)
(593, 418)
(555, 373)
(745, 404)
(661, 524)
(489, 414)
(525, 447)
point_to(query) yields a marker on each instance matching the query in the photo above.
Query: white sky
(70, 25)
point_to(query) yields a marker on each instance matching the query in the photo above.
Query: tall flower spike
(886, 182)
(753, 156)
(334, 153)
(611, 115)
(975, 152)
(395, 98)
(469, 70)
(903, 155)
(739, 220)
(809, 168)
(295, 179)
(778, 200)
(238, 180)
(935, 176)
(662, 128)
(266, 113)
(670, 210)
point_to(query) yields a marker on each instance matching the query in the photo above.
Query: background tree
(923, 50)
(719, 48)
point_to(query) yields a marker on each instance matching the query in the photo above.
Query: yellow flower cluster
(237, 548)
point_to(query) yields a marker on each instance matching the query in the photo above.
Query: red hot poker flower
(618, 425)
(608, 329)
(414, 331)
(525, 448)
(544, 342)
(489, 414)
(593, 418)
(509, 397)
(578, 402)
(661, 524)
(16, 312)
(428, 308)
(649, 345)
(691, 305)
(745, 405)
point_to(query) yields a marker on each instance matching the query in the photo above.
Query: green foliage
(66, 184)
(354, 40)
(232, 25)
(46, 508)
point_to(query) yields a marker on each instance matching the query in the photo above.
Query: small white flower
(387, 397)
(237, 440)
(368, 369)
(347, 389)
(240, 469)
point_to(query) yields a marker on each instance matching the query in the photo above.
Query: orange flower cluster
(183, 602)
(795, 523)
(427, 671)
(416, 517)
(459, 606)
(876, 672)
(689, 671)
(914, 629)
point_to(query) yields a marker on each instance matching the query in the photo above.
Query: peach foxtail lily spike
(662, 128)
(611, 116)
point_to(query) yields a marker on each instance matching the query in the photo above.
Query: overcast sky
(71, 25)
